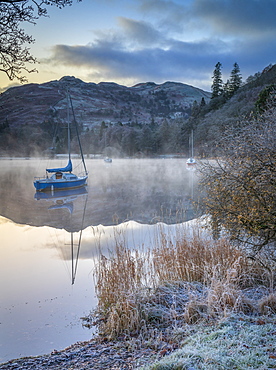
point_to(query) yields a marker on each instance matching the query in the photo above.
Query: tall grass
(183, 279)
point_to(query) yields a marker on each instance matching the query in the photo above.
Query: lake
(50, 242)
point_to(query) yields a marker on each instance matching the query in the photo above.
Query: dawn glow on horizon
(135, 41)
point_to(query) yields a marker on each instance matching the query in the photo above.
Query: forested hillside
(207, 120)
(128, 119)
(144, 120)
(211, 121)
(239, 186)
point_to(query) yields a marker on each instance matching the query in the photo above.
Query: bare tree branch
(240, 185)
(15, 56)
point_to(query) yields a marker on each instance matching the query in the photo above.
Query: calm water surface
(49, 244)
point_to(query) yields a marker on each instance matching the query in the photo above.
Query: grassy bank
(237, 342)
(201, 302)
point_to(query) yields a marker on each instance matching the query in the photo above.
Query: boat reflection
(61, 195)
(72, 200)
(64, 200)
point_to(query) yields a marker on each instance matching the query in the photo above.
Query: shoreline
(96, 353)
(237, 341)
(236, 338)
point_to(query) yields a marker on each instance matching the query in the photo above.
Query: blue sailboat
(63, 178)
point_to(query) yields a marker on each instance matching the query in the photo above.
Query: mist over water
(144, 190)
(50, 240)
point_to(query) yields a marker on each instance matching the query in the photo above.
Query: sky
(133, 41)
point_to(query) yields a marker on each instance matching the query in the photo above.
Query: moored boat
(62, 177)
(191, 162)
(60, 180)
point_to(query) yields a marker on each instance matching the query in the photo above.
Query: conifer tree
(235, 79)
(226, 89)
(217, 81)
(202, 103)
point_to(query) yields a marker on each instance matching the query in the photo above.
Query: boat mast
(68, 128)
(78, 136)
(192, 139)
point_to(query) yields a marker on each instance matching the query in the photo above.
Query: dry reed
(181, 280)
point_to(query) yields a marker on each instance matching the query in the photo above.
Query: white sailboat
(191, 162)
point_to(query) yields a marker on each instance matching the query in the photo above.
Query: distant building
(176, 115)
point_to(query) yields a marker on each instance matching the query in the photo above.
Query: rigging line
(82, 157)
(78, 165)
(72, 254)
(54, 136)
(54, 143)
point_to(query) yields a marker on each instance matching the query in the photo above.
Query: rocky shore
(94, 354)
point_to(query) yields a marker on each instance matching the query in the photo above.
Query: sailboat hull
(48, 184)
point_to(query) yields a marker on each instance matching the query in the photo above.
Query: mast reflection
(64, 200)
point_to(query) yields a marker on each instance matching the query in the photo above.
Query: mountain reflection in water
(51, 240)
(143, 190)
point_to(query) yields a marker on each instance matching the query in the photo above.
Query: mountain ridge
(33, 104)
(146, 119)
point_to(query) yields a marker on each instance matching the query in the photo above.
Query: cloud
(168, 14)
(238, 17)
(140, 32)
(182, 61)
(140, 50)
(230, 17)
(178, 61)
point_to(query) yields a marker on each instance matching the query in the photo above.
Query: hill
(115, 120)
(93, 103)
(210, 123)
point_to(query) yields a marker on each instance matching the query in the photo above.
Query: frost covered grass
(236, 343)
(190, 292)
